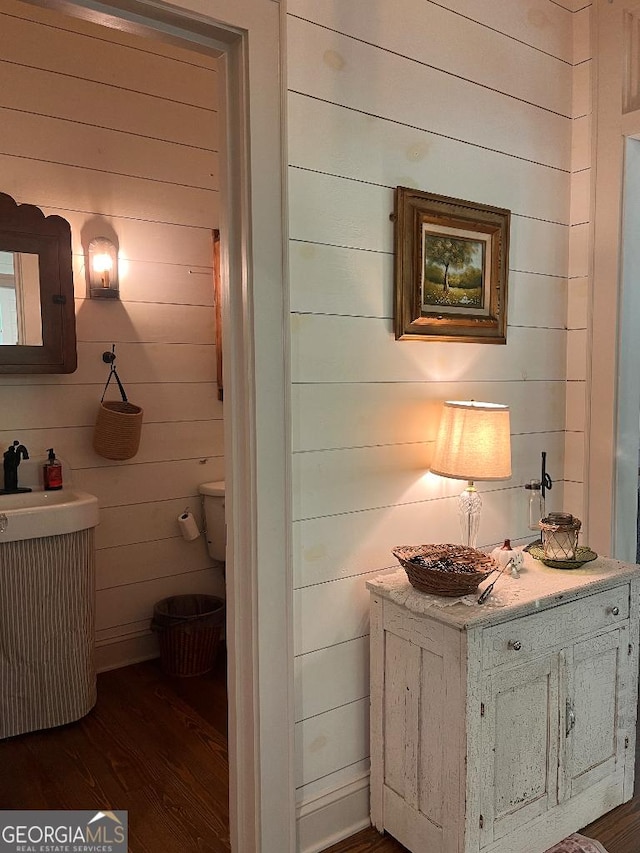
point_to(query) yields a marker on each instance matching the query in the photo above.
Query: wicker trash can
(189, 629)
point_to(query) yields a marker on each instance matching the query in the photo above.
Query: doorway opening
(256, 386)
(627, 523)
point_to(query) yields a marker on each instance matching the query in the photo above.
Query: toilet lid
(214, 489)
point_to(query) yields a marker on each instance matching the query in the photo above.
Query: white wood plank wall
(466, 99)
(118, 134)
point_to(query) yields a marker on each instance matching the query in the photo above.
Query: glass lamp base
(469, 508)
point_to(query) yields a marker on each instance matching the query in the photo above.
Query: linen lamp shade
(474, 442)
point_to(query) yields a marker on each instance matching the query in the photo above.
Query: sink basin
(32, 515)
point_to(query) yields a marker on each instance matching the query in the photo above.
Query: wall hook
(109, 357)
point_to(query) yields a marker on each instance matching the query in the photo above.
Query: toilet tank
(216, 531)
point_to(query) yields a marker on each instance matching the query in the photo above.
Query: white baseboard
(333, 816)
(123, 651)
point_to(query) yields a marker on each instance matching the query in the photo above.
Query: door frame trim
(248, 35)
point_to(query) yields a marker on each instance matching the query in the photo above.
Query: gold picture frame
(451, 269)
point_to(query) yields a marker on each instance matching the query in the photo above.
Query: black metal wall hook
(110, 359)
(545, 481)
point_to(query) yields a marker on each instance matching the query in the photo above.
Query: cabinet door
(519, 746)
(593, 675)
(416, 793)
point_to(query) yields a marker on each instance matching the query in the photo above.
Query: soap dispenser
(52, 473)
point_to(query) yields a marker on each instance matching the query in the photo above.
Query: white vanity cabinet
(507, 726)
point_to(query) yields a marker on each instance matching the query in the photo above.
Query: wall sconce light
(103, 269)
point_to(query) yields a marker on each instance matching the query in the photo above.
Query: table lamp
(473, 443)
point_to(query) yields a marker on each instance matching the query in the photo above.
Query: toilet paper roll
(188, 526)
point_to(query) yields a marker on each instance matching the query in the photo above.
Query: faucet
(12, 456)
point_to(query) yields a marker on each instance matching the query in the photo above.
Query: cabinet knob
(515, 645)
(615, 611)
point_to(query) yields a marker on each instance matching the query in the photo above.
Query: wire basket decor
(447, 570)
(560, 535)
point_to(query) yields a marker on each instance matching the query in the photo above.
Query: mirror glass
(37, 316)
(20, 315)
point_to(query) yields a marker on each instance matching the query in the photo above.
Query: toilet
(215, 528)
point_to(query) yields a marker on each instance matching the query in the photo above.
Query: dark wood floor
(156, 746)
(618, 831)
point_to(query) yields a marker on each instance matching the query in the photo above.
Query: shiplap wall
(466, 99)
(118, 134)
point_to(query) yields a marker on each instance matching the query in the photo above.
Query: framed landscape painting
(451, 269)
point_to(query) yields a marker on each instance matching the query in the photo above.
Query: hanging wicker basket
(118, 427)
(117, 431)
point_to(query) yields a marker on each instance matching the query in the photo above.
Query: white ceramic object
(506, 555)
(214, 513)
(32, 515)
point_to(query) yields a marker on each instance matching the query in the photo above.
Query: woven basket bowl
(455, 569)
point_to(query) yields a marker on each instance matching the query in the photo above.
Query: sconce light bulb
(103, 268)
(102, 263)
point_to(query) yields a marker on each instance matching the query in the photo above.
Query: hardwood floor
(156, 746)
(153, 745)
(618, 831)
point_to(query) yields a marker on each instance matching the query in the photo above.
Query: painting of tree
(452, 270)
(448, 252)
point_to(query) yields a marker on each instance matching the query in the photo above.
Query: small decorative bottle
(536, 504)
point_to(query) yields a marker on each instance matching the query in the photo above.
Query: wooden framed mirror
(37, 314)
